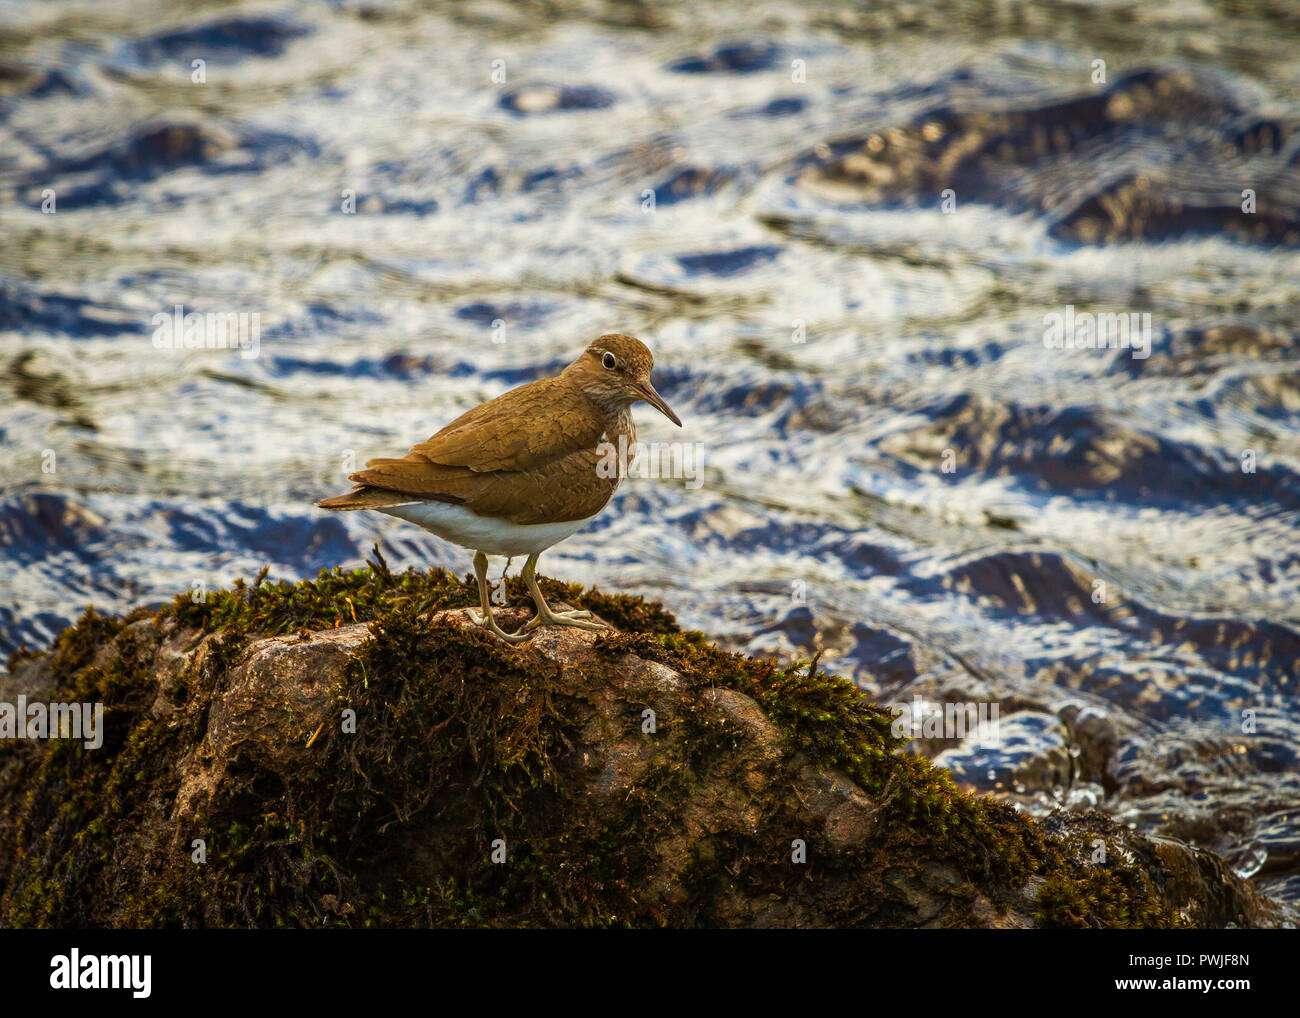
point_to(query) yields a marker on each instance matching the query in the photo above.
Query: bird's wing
(492, 438)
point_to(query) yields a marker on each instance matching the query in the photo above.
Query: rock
(350, 751)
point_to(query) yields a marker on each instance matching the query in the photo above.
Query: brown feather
(366, 498)
(528, 456)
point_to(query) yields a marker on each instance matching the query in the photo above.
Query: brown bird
(519, 473)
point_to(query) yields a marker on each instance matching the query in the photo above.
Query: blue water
(896, 469)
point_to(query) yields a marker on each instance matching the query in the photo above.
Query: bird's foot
(546, 617)
(484, 620)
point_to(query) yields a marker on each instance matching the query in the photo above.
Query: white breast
(458, 525)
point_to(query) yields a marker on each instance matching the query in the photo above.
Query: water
(897, 471)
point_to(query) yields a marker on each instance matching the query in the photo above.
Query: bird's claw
(553, 618)
(484, 620)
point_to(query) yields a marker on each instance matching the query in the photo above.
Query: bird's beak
(647, 392)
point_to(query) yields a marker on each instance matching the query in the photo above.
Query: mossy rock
(486, 784)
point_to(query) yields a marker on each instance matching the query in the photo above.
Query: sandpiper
(518, 473)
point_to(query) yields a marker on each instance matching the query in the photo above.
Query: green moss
(463, 740)
(1111, 894)
(343, 597)
(831, 721)
(1099, 899)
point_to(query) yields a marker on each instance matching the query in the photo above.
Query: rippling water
(842, 232)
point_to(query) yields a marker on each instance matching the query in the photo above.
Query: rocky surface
(270, 761)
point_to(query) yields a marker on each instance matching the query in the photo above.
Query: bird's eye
(609, 361)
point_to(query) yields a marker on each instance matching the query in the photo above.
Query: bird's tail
(365, 498)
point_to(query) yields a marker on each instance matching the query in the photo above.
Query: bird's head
(614, 372)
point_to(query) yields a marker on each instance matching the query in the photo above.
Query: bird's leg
(544, 616)
(487, 621)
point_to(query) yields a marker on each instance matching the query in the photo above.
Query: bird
(522, 472)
